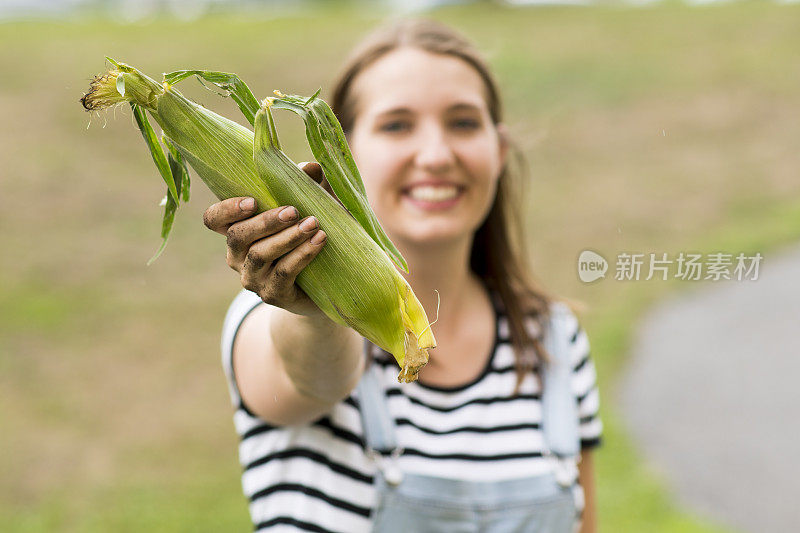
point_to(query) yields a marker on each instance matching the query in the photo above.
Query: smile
(434, 196)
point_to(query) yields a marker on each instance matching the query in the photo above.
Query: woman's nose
(434, 153)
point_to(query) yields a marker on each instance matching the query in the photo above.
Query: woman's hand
(271, 248)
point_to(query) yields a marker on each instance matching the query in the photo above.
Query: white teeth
(433, 194)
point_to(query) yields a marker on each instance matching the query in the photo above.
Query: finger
(244, 233)
(263, 253)
(285, 271)
(219, 216)
(258, 274)
(314, 170)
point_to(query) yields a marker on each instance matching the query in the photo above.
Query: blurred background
(650, 127)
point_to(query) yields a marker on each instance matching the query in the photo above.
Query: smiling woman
(497, 432)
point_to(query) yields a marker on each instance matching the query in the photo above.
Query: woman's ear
(503, 139)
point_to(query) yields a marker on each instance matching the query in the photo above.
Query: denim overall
(416, 503)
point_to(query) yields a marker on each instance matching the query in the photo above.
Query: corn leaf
(178, 168)
(155, 150)
(166, 225)
(330, 149)
(230, 83)
(182, 184)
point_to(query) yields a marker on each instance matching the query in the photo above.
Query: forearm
(322, 359)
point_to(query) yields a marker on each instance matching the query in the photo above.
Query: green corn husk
(353, 279)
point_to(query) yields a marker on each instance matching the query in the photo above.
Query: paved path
(712, 396)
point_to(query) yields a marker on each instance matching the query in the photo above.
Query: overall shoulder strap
(376, 420)
(559, 405)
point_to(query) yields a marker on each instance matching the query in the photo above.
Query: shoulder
(538, 314)
(565, 334)
(561, 311)
(562, 318)
(240, 307)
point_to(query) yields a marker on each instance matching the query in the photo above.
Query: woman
(330, 440)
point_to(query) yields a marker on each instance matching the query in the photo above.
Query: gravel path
(712, 396)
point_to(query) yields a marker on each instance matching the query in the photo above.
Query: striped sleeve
(241, 306)
(584, 386)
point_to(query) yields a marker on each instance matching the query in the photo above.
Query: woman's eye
(394, 126)
(466, 124)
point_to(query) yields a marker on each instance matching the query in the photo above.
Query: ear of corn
(353, 279)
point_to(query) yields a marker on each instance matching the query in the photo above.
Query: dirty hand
(270, 249)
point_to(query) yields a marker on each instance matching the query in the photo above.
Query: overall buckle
(388, 465)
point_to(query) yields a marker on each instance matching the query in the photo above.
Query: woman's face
(426, 146)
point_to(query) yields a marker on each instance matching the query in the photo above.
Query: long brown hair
(499, 255)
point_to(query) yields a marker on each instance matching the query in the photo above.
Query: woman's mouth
(433, 196)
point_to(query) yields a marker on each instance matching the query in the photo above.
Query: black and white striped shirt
(317, 477)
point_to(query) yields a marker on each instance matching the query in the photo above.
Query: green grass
(663, 129)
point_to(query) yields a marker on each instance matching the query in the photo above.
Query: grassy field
(663, 129)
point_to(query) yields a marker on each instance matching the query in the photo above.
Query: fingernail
(247, 204)
(287, 213)
(309, 224)
(318, 237)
